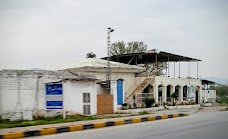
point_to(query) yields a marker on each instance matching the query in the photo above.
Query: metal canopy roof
(204, 81)
(149, 57)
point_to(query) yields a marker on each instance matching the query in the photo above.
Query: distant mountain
(218, 80)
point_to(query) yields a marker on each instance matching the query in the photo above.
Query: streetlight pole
(108, 76)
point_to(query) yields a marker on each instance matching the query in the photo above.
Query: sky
(46, 34)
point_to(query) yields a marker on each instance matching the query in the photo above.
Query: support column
(156, 64)
(179, 68)
(168, 66)
(164, 94)
(200, 95)
(155, 90)
(180, 93)
(174, 69)
(136, 62)
(172, 89)
(197, 69)
(188, 68)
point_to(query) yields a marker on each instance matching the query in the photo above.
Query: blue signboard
(54, 96)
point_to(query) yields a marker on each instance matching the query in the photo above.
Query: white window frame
(86, 100)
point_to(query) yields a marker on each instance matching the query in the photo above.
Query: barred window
(86, 109)
(86, 97)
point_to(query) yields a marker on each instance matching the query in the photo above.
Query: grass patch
(5, 123)
(49, 120)
(114, 116)
(143, 113)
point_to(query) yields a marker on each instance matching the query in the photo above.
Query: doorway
(197, 97)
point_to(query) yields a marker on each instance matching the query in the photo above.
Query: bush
(129, 106)
(142, 106)
(222, 99)
(149, 102)
(174, 96)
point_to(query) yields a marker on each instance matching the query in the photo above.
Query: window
(86, 109)
(86, 97)
(86, 103)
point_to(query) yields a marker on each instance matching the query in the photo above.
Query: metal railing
(141, 97)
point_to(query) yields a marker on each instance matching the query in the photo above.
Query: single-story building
(46, 92)
(123, 76)
(208, 91)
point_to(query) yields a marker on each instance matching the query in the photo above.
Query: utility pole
(108, 76)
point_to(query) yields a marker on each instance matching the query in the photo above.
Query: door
(119, 92)
(104, 104)
(197, 97)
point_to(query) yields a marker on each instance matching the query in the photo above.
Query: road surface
(201, 126)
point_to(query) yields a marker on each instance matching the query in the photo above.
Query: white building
(161, 87)
(208, 91)
(123, 76)
(25, 91)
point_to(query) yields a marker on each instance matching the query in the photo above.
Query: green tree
(221, 90)
(120, 47)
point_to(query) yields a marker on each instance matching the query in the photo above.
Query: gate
(104, 104)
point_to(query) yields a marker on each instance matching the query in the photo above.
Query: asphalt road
(201, 126)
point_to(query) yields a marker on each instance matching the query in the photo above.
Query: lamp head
(110, 29)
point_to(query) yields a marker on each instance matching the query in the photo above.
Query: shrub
(149, 102)
(222, 99)
(174, 96)
(129, 106)
(134, 105)
(143, 105)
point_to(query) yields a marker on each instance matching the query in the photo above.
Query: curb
(48, 131)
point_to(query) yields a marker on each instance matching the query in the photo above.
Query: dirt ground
(212, 109)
